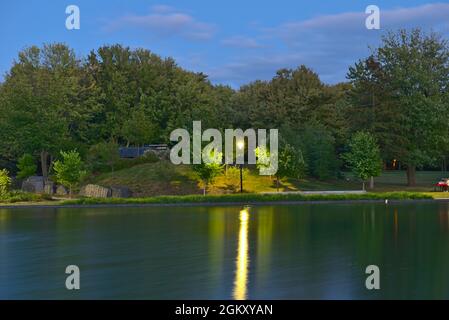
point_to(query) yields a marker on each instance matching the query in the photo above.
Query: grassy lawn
(163, 182)
(164, 178)
(152, 179)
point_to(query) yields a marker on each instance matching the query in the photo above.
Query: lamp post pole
(241, 146)
(241, 178)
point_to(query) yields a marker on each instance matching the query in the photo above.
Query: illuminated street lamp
(241, 146)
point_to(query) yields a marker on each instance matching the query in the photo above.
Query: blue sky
(234, 42)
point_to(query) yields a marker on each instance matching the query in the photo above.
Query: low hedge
(20, 196)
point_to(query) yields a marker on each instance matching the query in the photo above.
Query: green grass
(152, 179)
(249, 198)
(164, 178)
(20, 196)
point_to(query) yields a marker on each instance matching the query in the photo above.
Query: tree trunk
(363, 185)
(411, 175)
(50, 167)
(371, 183)
(44, 158)
(277, 183)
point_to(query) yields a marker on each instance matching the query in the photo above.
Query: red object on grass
(443, 184)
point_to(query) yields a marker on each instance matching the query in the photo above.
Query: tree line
(396, 100)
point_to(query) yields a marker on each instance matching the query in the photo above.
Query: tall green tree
(290, 164)
(207, 172)
(5, 182)
(27, 166)
(41, 106)
(103, 154)
(319, 151)
(70, 170)
(364, 157)
(139, 129)
(404, 85)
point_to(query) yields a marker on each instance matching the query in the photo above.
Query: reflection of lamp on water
(241, 274)
(241, 146)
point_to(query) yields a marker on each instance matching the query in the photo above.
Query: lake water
(313, 251)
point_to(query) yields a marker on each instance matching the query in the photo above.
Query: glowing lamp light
(240, 144)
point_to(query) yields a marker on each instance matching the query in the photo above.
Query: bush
(69, 171)
(20, 196)
(5, 182)
(318, 148)
(103, 156)
(27, 166)
(149, 157)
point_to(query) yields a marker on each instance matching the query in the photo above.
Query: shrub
(20, 196)
(103, 156)
(69, 171)
(27, 166)
(364, 156)
(207, 172)
(318, 147)
(5, 182)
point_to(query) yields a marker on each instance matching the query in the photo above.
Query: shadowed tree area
(52, 100)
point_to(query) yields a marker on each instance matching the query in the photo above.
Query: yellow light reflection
(241, 274)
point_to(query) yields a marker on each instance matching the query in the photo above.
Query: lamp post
(241, 146)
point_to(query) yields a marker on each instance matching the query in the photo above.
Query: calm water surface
(314, 251)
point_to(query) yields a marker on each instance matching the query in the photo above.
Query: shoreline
(61, 205)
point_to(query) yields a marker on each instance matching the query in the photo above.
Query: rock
(120, 192)
(95, 191)
(164, 154)
(33, 184)
(49, 187)
(61, 190)
(16, 183)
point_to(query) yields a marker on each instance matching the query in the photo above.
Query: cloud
(241, 42)
(165, 21)
(162, 8)
(328, 44)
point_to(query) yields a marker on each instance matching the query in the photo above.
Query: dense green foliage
(400, 94)
(20, 196)
(70, 170)
(26, 166)
(103, 154)
(291, 164)
(207, 171)
(52, 100)
(5, 182)
(364, 156)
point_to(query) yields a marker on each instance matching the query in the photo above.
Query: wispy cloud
(329, 44)
(241, 42)
(165, 21)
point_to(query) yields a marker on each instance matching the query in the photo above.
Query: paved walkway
(319, 192)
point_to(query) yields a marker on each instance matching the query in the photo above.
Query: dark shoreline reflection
(313, 251)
